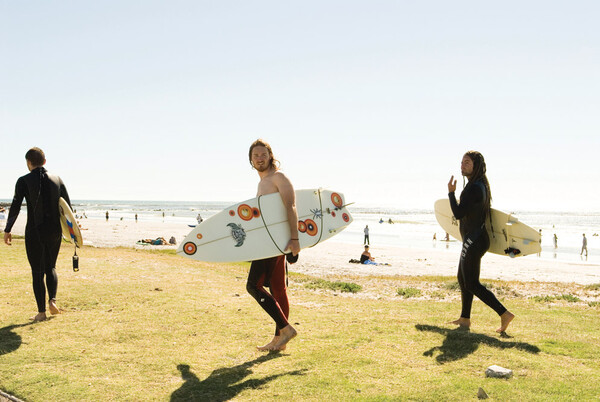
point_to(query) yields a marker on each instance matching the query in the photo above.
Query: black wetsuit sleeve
(64, 194)
(470, 197)
(15, 207)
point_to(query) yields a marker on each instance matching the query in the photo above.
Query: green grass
(335, 285)
(548, 299)
(145, 325)
(408, 292)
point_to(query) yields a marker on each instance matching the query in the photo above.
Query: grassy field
(149, 325)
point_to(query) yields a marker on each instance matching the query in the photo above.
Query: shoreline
(332, 257)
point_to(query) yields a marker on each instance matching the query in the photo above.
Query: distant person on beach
(472, 211)
(272, 271)
(106, 216)
(447, 238)
(365, 257)
(43, 233)
(555, 241)
(199, 219)
(136, 218)
(584, 246)
(367, 235)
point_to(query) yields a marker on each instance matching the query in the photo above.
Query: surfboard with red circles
(258, 228)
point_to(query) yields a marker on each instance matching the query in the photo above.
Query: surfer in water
(43, 233)
(472, 211)
(271, 272)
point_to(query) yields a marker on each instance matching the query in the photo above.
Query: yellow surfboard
(510, 237)
(70, 229)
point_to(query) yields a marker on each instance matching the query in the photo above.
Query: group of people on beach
(42, 191)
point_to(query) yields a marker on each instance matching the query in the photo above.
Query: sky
(379, 100)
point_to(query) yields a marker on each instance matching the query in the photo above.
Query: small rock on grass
(498, 372)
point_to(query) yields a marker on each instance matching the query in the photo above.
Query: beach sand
(331, 258)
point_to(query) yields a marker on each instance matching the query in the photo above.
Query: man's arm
(286, 191)
(14, 210)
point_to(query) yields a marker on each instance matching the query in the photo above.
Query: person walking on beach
(272, 271)
(43, 233)
(472, 211)
(555, 241)
(367, 235)
(584, 246)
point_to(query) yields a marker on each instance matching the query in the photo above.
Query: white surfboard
(258, 228)
(70, 229)
(510, 237)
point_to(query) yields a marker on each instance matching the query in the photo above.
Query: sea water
(410, 228)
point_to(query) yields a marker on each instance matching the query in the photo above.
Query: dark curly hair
(479, 170)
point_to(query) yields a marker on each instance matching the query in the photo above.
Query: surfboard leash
(321, 208)
(75, 260)
(266, 227)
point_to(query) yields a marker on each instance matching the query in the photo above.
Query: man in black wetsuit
(43, 231)
(472, 211)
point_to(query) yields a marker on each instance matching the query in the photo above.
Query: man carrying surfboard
(271, 272)
(43, 232)
(472, 211)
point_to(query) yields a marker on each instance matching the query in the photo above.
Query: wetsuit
(270, 272)
(472, 214)
(42, 232)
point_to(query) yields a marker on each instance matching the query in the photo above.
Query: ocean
(410, 228)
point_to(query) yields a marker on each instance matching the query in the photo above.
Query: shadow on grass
(460, 343)
(224, 383)
(10, 341)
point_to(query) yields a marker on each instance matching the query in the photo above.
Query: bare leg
(285, 335)
(505, 319)
(463, 322)
(53, 308)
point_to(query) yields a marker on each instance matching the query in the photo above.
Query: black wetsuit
(42, 232)
(270, 272)
(471, 212)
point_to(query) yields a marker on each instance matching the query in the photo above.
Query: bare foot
(285, 335)
(269, 345)
(39, 317)
(463, 322)
(53, 309)
(505, 319)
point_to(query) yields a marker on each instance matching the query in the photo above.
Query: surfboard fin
(512, 252)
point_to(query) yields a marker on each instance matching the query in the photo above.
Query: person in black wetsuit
(43, 231)
(472, 211)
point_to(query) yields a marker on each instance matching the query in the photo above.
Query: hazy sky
(376, 99)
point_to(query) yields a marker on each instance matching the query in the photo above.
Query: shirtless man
(271, 271)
